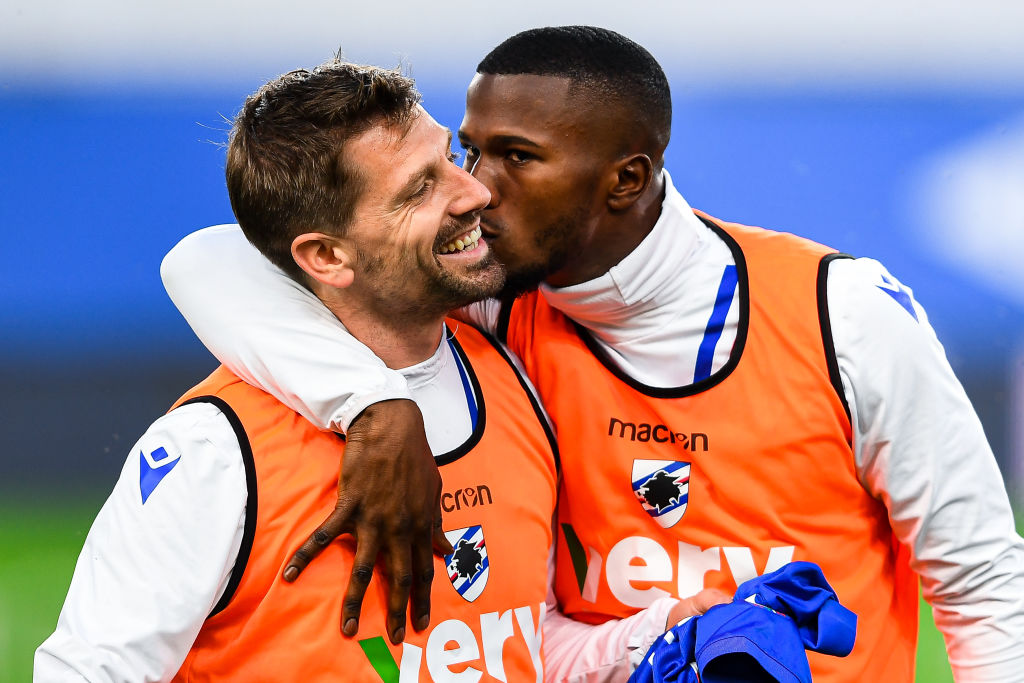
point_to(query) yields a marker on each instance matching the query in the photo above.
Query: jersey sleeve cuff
(343, 418)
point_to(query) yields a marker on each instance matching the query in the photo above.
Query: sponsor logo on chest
(468, 497)
(637, 570)
(456, 653)
(645, 432)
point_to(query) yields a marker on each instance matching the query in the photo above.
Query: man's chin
(480, 283)
(522, 282)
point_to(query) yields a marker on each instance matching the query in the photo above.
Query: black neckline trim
(481, 416)
(742, 291)
(537, 409)
(251, 501)
(826, 330)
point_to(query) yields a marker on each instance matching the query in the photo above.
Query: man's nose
(482, 173)
(472, 194)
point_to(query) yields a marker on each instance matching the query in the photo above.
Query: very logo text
(639, 570)
(453, 651)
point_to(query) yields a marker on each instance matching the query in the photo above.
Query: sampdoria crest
(662, 487)
(468, 565)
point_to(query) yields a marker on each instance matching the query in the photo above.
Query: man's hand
(386, 450)
(696, 605)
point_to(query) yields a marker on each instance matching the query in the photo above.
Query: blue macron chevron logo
(899, 295)
(152, 470)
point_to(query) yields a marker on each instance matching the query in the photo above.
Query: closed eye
(422, 191)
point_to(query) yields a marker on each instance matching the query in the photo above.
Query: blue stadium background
(99, 186)
(893, 135)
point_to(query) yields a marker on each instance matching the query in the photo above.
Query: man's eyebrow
(517, 140)
(506, 140)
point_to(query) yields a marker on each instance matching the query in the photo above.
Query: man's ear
(326, 258)
(632, 177)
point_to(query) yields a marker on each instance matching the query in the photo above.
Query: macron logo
(641, 431)
(899, 295)
(153, 467)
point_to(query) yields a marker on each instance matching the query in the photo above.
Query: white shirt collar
(645, 279)
(427, 371)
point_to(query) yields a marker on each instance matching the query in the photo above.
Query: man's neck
(399, 341)
(613, 239)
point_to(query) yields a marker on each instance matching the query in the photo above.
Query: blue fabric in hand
(760, 636)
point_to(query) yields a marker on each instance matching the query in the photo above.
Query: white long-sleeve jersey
(919, 446)
(160, 553)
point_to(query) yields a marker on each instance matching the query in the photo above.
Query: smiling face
(545, 162)
(415, 227)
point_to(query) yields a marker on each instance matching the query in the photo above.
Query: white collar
(426, 371)
(650, 276)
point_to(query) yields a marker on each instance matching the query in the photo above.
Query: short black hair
(595, 59)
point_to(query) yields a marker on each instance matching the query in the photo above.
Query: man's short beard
(555, 241)
(524, 280)
(449, 292)
(442, 292)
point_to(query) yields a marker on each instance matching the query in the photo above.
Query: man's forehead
(423, 118)
(522, 101)
(419, 127)
(519, 90)
(517, 85)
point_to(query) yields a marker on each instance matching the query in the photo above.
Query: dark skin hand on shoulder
(386, 450)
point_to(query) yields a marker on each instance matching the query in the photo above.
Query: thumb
(696, 605)
(442, 546)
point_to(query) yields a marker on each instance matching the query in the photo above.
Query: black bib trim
(826, 330)
(481, 416)
(743, 294)
(251, 501)
(537, 409)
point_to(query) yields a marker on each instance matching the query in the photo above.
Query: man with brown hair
(339, 176)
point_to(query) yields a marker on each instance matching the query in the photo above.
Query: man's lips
(458, 231)
(464, 242)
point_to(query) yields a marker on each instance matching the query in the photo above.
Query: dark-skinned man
(339, 177)
(726, 398)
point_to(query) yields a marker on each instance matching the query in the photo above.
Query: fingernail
(291, 573)
(350, 627)
(422, 622)
(399, 635)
